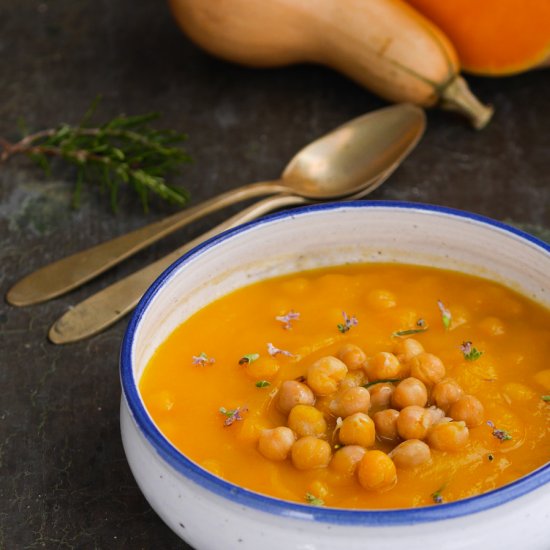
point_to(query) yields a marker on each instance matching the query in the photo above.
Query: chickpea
(448, 436)
(357, 429)
(435, 415)
(293, 393)
(382, 365)
(427, 368)
(410, 391)
(275, 444)
(376, 471)
(380, 395)
(353, 378)
(411, 453)
(310, 452)
(346, 459)
(406, 349)
(414, 422)
(446, 392)
(353, 356)
(385, 423)
(324, 376)
(350, 401)
(306, 420)
(468, 409)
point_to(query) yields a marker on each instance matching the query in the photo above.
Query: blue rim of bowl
(263, 503)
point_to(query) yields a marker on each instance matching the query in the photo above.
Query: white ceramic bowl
(210, 513)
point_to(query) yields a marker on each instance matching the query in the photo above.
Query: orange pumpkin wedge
(494, 37)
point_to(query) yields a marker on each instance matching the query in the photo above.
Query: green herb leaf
(249, 358)
(446, 316)
(313, 500)
(262, 384)
(546, 398)
(401, 333)
(348, 323)
(382, 381)
(437, 497)
(502, 435)
(232, 415)
(470, 352)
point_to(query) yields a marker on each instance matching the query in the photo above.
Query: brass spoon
(349, 159)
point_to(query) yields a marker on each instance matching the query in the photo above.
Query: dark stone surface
(65, 482)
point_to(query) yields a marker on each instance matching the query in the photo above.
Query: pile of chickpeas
(334, 421)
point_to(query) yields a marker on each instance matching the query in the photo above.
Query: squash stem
(457, 96)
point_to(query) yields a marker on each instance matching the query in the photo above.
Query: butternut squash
(385, 45)
(494, 37)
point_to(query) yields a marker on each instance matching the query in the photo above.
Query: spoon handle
(107, 306)
(72, 271)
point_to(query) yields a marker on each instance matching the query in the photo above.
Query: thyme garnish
(262, 384)
(546, 398)
(202, 359)
(313, 500)
(272, 350)
(287, 319)
(446, 316)
(232, 415)
(470, 352)
(502, 435)
(123, 151)
(408, 332)
(437, 497)
(348, 323)
(249, 358)
(382, 381)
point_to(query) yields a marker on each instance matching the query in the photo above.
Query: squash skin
(494, 38)
(384, 45)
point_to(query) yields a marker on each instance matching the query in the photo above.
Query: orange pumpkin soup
(360, 386)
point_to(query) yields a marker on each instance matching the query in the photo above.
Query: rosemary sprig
(123, 151)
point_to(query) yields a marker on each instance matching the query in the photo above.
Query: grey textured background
(64, 479)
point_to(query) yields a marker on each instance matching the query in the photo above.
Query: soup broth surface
(213, 386)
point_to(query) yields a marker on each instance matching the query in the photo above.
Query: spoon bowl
(355, 154)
